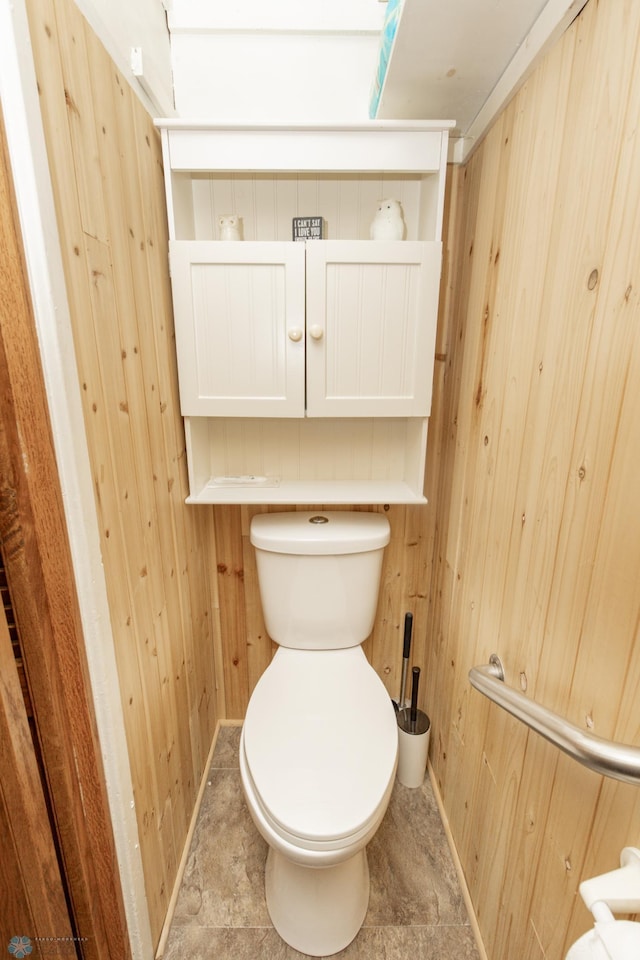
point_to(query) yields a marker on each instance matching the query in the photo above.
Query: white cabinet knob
(295, 334)
(316, 332)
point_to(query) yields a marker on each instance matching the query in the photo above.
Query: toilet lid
(320, 739)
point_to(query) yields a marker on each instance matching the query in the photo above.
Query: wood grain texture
(536, 553)
(105, 160)
(41, 582)
(529, 543)
(31, 890)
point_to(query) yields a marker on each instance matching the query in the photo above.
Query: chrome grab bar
(616, 760)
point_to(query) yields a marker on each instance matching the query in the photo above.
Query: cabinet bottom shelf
(306, 461)
(309, 492)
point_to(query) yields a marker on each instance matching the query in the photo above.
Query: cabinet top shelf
(371, 126)
(417, 147)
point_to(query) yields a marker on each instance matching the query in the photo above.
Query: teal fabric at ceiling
(389, 28)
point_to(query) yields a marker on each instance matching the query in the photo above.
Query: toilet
(319, 743)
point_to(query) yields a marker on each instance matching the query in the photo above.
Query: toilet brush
(413, 715)
(406, 649)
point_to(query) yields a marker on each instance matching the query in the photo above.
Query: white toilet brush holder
(413, 747)
(414, 727)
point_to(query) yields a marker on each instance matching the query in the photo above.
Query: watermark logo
(20, 947)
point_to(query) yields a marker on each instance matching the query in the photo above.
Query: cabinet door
(239, 316)
(371, 320)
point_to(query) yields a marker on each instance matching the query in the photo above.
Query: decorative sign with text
(308, 228)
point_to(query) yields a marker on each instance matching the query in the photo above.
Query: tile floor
(415, 910)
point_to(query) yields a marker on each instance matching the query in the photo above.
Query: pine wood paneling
(30, 885)
(537, 543)
(529, 543)
(105, 161)
(40, 577)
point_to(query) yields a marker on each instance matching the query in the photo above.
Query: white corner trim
(554, 19)
(459, 147)
(32, 183)
(140, 71)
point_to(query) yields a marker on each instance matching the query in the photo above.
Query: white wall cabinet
(242, 351)
(290, 329)
(367, 330)
(305, 368)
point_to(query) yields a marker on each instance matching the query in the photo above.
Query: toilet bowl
(317, 764)
(318, 750)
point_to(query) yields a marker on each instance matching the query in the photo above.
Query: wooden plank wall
(537, 549)
(55, 801)
(105, 160)
(530, 545)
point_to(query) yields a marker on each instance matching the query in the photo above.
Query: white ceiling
(452, 59)
(449, 56)
(464, 58)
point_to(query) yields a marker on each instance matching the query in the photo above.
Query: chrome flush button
(318, 519)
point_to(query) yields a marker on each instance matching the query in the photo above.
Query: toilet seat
(320, 744)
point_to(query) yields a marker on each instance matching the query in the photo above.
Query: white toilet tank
(319, 575)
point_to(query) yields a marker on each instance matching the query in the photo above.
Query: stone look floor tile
(415, 907)
(413, 878)
(372, 943)
(226, 751)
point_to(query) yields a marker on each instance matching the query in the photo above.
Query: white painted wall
(125, 26)
(281, 60)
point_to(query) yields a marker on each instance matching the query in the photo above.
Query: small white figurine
(388, 223)
(229, 225)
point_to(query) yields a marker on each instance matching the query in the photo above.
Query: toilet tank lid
(329, 532)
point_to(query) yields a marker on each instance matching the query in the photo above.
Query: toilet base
(317, 910)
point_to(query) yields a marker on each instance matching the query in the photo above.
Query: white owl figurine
(229, 225)
(388, 223)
